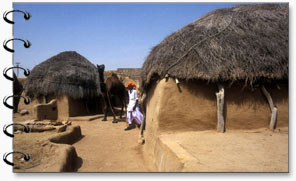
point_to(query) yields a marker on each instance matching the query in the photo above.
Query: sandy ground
(32, 144)
(106, 147)
(259, 150)
(29, 143)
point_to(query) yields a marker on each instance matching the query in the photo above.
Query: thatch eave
(246, 43)
(66, 74)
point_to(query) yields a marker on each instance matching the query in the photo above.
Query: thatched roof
(67, 73)
(244, 43)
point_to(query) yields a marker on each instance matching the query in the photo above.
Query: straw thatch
(67, 73)
(244, 43)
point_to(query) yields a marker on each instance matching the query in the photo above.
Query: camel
(112, 87)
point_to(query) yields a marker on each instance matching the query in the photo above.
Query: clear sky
(119, 35)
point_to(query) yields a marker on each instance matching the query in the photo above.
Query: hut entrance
(83, 107)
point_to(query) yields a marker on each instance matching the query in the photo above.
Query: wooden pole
(141, 139)
(178, 84)
(272, 107)
(220, 109)
(166, 77)
(272, 124)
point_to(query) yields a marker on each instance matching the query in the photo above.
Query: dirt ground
(258, 150)
(30, 143)
(34, 145)
(106, 147)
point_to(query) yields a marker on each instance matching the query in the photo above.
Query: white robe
(133, 97)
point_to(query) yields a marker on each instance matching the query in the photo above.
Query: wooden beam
(220, 109)
(273, 109)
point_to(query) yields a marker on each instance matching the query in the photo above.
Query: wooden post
(166, 77)
(178, 84)
(273, 109)
(272, 124)
(141, 139)
(220, 109)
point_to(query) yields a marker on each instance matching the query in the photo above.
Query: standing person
(133, 111)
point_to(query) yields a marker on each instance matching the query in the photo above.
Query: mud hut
(65, 85)
(226, 70)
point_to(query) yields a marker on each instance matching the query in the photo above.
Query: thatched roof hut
(245, 43)
(67, 73)
(63, 86)
(194, 79)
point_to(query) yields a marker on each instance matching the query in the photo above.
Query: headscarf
(131, 83)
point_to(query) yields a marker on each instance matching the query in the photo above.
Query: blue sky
(119, 35)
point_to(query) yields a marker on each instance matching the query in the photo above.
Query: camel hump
(113, 83)
(114, 75)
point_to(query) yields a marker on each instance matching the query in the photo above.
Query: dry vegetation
(245, 43)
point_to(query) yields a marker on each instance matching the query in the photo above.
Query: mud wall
(63, 108)
(192, 107)
(46, 111)
(133, 73)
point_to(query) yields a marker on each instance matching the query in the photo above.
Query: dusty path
(106, 147)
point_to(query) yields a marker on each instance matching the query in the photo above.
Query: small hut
(226, 70)
(65, 85)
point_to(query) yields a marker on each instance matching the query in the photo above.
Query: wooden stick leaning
(272, 107)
